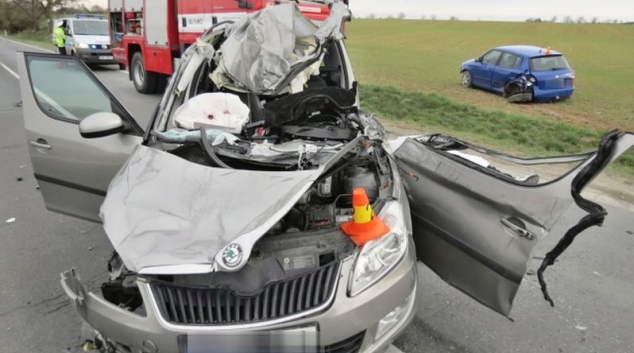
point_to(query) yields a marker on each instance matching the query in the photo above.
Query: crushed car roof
(266, 51)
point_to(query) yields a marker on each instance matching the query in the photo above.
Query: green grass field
(409, 72)
(425, 56)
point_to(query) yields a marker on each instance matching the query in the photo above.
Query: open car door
(477, 227)
(60, 98)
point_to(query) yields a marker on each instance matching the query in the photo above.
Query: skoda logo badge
(232, 255)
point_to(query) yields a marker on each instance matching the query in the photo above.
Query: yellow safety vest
(60, 36)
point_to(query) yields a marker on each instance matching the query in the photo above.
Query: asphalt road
(592, 284)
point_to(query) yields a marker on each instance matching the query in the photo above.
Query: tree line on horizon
(35, 15)
(553, 19)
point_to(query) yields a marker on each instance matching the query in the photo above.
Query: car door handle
(40, 144)
(519, 230)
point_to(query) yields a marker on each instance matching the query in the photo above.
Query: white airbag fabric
(222, 111)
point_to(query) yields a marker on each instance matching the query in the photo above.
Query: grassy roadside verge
(38, 39)
(512, 133)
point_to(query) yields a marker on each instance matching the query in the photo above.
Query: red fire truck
(148, 36)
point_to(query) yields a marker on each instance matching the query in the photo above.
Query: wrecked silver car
(263, 210)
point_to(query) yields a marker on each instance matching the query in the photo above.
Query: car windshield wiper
(558, 68)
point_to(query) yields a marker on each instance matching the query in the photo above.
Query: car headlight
(377, 257)
(82, 45)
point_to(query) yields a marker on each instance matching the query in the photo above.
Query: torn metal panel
(476, 229)
(612, 146)
(162, 210)
(331, 28)
(275, 49)
(260, 51)
(447, 143)
(372, 127)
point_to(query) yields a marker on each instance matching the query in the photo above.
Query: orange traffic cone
(364, 226)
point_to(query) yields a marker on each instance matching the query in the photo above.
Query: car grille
(211, 306)
(349, 345)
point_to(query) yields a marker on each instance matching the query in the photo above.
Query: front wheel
(144, 81)
(465, 79)
(512, 90)
(516, 94)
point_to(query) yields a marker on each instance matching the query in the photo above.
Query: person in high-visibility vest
(60, 38)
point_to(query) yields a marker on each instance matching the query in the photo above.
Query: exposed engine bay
(307, 239)
(295, 132)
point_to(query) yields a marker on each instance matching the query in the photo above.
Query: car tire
(144, 81)
(121, 66)
(163, 81)
(465, 79)
(512, 90)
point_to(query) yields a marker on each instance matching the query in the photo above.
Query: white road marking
(9, 71)
(46, 50)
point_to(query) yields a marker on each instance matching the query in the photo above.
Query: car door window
(63, 89)
(491, 57)
(508, 60)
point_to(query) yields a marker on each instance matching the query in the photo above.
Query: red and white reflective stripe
(310, 9)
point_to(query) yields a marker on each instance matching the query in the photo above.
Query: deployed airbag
(222, 111)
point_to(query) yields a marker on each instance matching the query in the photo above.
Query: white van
(87, 38)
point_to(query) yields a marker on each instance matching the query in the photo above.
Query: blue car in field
(522, 73)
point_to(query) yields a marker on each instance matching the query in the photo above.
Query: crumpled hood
(162, 210)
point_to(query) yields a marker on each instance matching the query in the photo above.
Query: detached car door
(73, 172)
(477, 227)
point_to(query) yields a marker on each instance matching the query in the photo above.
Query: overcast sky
(496, 10)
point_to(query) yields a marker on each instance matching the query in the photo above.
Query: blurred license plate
(108, 57)
(304, 340)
